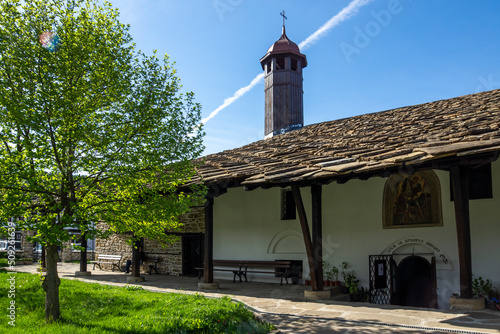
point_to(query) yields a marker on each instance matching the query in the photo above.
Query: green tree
(90, 129)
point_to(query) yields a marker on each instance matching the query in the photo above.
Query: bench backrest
(109, 257)
(249, 263)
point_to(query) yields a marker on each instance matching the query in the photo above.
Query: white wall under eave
(247, 223)
(247, 226)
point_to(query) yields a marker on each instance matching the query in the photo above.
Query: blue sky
(391, 53)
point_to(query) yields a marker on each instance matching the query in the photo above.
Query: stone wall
(116, 244)
(26, 246)
(68, 253)
(170, 257)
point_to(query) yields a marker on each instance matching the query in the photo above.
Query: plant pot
(326, 283)
(307, 282)
(336, 283)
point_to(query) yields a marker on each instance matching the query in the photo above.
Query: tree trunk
(51, 285)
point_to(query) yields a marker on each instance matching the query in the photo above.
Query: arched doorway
(417, 282)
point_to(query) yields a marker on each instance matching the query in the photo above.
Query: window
(480, 183)
(18, 237)
(294, 64)
(280, 63)
(288, 211)
(77, 242)
(268, 67)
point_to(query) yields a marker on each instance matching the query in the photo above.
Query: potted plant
(485, 289)
(351, 281)
(326, 267)
(329, 277)
(334, 273)
(352, 284)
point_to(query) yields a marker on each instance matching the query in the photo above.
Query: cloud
(349, 11)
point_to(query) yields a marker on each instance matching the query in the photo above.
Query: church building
(408, 197)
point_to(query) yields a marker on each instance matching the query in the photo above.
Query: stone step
(337, 290)
(341, 298)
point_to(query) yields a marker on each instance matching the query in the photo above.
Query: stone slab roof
(363, 146)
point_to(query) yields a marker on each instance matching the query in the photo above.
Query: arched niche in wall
(287, 242)
(412, 200)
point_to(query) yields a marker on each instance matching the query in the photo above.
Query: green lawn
(95, 308)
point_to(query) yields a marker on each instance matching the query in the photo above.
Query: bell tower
(284, 107)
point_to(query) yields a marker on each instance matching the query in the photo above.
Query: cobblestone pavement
(285, 306)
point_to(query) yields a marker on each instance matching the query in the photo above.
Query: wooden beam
(208, 264)
(83, 253)
(460, 182)
(317, 232)
(317, 282)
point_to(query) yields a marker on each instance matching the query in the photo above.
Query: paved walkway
(285, 307)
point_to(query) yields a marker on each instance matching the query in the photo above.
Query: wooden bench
(153, 263)
(240, 268)
(114, 260)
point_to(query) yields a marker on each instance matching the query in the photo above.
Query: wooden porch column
(317, 231)
(136, 266)
(460, 182)
(83, 253)
(208, 266)
(316, 282)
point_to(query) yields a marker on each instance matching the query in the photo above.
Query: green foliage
(364, 294)
(350, 279)
(333, 273)
(484, 288)
(326, 267)
(93, 131)
(94, 308)
(134, 287)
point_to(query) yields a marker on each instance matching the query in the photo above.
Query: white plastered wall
(247, 225)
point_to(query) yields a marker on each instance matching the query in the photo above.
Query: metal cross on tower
(284, 17)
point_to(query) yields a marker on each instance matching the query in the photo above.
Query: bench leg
(153, 267)
(286, 280)
(285, 276)
(199, 273)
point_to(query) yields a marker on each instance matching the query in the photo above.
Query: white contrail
(239, 93)
(344, 14)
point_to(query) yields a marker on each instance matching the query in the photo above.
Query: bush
(484, 288)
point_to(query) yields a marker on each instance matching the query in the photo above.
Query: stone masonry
(170, 257)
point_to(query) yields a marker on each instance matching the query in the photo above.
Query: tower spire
(284, 18)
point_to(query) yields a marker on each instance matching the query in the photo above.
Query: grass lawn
(95, 308)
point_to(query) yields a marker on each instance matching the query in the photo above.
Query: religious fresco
(412, 200)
